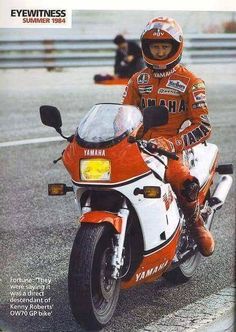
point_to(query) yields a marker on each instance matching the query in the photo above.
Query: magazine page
(117, 148)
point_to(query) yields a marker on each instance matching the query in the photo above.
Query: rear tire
(185, 271)
(93, 293)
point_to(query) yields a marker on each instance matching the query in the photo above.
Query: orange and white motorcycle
(132, 229)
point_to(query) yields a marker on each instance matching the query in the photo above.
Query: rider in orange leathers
(166, 82)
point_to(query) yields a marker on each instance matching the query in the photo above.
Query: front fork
(117, 258)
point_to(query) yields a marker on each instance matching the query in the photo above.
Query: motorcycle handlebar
(168, 154)
(153, 148)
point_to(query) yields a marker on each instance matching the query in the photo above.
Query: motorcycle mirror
(50, 116)
(155, 116)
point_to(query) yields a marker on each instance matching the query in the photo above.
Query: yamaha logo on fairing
(145, 274)
(94, 153)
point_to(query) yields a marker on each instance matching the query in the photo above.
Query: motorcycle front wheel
(93, 293)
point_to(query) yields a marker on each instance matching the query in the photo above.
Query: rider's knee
(190, 189)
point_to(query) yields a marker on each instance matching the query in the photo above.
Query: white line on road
(31, 141)
(201, 316)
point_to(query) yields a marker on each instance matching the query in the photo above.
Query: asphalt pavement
(37, 231)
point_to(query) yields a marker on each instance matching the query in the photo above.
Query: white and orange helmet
(164, 29)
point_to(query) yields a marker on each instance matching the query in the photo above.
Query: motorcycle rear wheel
(185, 271)
(93, 293)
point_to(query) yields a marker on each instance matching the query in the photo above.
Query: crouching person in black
(128, 59)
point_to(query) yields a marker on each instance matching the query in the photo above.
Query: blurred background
(56, 67)
(89, 42)
(90, 23)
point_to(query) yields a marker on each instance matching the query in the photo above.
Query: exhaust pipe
(221, 191)
(217, 200)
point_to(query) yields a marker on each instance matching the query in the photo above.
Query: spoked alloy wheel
(93, 293)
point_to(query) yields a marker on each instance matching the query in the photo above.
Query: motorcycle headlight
(95, 169)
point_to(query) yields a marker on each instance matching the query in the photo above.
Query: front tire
(93, 293)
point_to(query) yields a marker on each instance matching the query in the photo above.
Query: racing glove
(162, 143)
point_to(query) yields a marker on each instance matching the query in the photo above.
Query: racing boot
(199, 232)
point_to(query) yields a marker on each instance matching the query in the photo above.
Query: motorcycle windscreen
(107, 124)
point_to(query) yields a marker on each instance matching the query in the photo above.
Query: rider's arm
(200, 127)
(131, 95)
